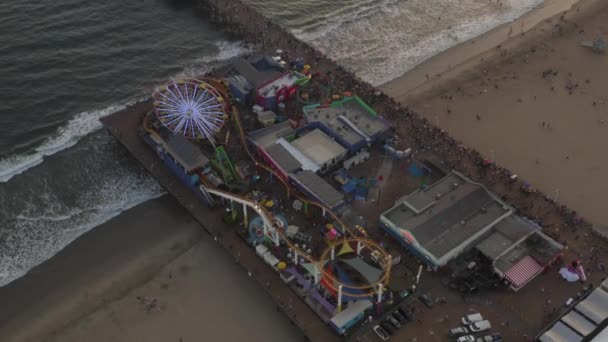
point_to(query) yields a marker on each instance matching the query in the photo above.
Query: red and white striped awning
(522, 272)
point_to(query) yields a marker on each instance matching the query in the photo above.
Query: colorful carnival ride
(192, 108)
(196, 109)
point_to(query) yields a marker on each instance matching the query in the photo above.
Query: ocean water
(66, 63)
(380, 40)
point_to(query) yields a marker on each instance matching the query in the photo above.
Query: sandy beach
(150, 274)
(468, 55)
(536, 105)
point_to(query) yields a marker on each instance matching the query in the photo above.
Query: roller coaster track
(222, 87)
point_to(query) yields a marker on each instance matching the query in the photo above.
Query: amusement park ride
(199, 109)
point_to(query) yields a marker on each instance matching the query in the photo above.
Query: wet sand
(550, 130)
(157, 252)
(470, 54)
(95, 284)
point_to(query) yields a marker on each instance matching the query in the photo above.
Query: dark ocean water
(66, 63)
(63, 65)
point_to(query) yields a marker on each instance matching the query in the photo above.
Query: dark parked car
(399, 317)
(407, 313)
(393, 321)
(426, 300)
(388, 327)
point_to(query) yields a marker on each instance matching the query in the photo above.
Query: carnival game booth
(279, 89)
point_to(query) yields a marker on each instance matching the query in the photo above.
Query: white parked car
(458, 331)
(472, 318)
(480, 326)
(466, 338)
(494, 337)
(381, 333)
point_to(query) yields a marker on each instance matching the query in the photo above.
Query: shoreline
(100, 266)
(512, 36)
(541, 141)
(90, 289)
(38, 307)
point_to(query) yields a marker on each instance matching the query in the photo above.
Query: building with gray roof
(440, 222)
(185, 152)
(560, 333)
(595, 307)
(268, 136)
(455, 214)
(586, 320)
(283, 159)
(320, 149)
(246, 75)
(514, 239)
(350, 121)
(316, 187)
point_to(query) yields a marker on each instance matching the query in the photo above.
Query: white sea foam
(382, 40)
(226, 52)
(88, 122)
(40, 231)
(37, 235)
(67, 136)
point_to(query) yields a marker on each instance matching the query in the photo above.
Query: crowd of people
(413, 130)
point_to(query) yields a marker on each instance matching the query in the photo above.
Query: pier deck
(124, 126)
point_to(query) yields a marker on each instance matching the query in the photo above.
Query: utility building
(351, 122)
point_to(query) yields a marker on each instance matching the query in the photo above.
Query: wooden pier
(125, 126)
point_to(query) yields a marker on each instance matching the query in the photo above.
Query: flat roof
(579, 323)
(316, 185)
(307, 163)
(595, 306)
(419, 200)
(560, 333)
(252, 74)
(604, 284)
(537, 245)
(283, 158)
(602, 336)
(186, 153)
(494, 245)
(352, 311)
(318, 147)
(447, 214)
(506, 234)
(350, 118)
(269, 136)
(586, 321)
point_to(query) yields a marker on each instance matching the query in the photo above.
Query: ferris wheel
(192, 108)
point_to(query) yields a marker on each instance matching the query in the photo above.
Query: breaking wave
(382, 40)
(67, 136)
(37, 236)
(87, 122)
